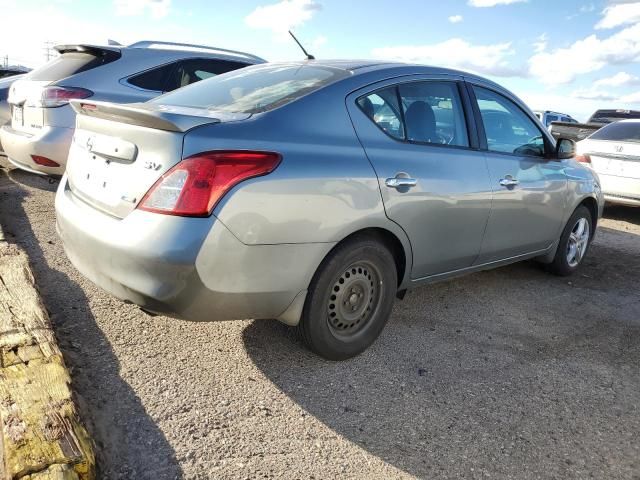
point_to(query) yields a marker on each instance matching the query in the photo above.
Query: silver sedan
(316, 193)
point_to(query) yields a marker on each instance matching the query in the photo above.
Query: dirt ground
(511, 373)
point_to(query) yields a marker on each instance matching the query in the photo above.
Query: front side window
(507, 128)
(383, 109)
(433, 113)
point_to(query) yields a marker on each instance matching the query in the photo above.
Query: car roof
(161, 48)
(358, 66)
(353, 65)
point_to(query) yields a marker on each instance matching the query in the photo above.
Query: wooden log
(42, 437)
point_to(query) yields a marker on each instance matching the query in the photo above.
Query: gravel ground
(505, 374)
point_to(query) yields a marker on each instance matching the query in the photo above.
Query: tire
(574, 243)
(350, 299)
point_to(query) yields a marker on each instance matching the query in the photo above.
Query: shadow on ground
(111, 409)
(510, 373)
(626, 214)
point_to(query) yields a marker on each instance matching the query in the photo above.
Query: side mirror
(565, 149)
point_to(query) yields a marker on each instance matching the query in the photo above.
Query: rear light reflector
(58, 96)
(195, 185)
(583, 158)
(44, 161)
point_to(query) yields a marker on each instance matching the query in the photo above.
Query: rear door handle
(509, 181)
(401, 180)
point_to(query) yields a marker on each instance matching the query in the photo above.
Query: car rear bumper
(188, 268)
(621, 190)
(49, 142)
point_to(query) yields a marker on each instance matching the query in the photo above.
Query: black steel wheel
(350, 299)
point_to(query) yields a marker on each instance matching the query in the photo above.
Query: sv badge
(152, 165)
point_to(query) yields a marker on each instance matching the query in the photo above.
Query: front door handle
(401, 180)
(508, 181)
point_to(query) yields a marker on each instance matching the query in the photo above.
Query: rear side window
(433, 113)
(619, 132)
(551, 118)
(507, 128)
(254, 89)
(421, 112)
(196, 69)
(155, 79)
(383, 109)
(71, 63)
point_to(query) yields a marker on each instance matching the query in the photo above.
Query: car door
(529, 188)
(433, 179)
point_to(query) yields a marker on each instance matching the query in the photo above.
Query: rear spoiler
(159, 117)
(95, 49)
(107, 53)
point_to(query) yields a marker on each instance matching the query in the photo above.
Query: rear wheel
(574, 243)
(349, 300)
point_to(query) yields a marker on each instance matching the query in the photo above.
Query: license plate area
(17, 116)
(98, 181)
(617, 167)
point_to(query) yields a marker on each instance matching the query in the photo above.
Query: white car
(38, 137)
(614, 153)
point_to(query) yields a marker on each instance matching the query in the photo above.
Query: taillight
(195, 185)
(44, 161)
(58, 96)
(584, 158)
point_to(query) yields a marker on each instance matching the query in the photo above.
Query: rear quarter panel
(323, 190)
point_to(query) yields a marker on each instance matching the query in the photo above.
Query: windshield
(253, 89)
(619, 132)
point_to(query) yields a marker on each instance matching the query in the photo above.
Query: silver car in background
(614, 153)
(5, 111)
(315, 193)
(42, 123)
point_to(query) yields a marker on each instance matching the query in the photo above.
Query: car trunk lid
(23, 99)
(620, 159)
(120, 151)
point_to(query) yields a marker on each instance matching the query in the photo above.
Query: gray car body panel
(256, 254)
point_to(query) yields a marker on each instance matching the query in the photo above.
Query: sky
(572, 56)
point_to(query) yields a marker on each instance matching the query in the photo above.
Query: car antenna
(309, 57)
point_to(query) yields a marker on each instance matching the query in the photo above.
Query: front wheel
(574, 243)
(349, 300)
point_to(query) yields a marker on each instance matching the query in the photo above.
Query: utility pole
(5, 61)
(48, 50)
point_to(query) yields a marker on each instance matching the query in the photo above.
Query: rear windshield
(619, 132)
(253, 89)
(69, 64)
